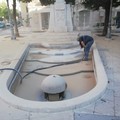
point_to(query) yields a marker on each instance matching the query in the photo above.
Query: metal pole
(109, 24)
(13, 37)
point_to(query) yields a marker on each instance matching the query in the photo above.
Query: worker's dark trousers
(87, 50)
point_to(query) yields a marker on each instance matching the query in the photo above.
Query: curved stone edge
(36, 106)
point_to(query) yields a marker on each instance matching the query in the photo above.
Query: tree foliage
(25, 1)
(95, 4)
(48, 2)
(70, 1)
(105, 4)
(3, 10)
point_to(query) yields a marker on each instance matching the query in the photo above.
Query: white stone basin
(28, 105)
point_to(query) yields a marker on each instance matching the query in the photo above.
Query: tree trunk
(14, 18)
(27, 19)
(106, 21)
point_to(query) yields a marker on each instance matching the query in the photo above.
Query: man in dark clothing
(85, 42)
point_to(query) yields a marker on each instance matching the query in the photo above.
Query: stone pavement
(106, 108)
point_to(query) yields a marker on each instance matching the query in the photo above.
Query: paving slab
(7, 112)
(66, 115)
(94, 117)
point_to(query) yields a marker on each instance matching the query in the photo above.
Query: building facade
(82, 18)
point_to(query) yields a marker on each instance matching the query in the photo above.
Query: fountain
(85, 81)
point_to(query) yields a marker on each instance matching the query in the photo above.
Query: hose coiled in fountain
(34, 71)
(12, 70)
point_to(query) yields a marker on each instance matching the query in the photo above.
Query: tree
(14, 15)
(3, 11)
(25, 1)
(96, 4)
(48, 2)
(14, 18)
(70, 1)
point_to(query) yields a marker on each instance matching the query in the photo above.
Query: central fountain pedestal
(53, 87)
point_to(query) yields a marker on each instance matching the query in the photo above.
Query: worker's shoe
(85, 59)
